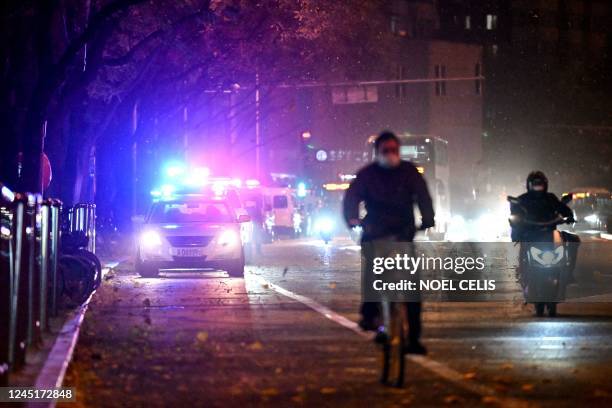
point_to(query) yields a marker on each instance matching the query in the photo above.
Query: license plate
(186, 252)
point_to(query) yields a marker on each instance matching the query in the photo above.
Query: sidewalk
(46, 366)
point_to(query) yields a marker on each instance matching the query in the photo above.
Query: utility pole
(134, 159)
(185, 133)
(257, 128)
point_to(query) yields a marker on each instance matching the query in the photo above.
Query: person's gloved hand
(427, 223)
(354, 222)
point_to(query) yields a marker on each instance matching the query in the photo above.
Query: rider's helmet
(537, 181)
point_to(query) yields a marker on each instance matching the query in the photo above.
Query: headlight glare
(228, 238)
(150, 239)
(324, 224)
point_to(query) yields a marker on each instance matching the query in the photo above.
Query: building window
(401, 90)
(440, 86)
(491, 22)
(342, 95)
(468, 22)
(478, 82)
(394, 24)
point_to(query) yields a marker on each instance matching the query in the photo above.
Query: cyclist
(389, 188)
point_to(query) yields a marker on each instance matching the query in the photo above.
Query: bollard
(6, 273)
(33, 234)
(56, 209)
(19, 291)
(44, 243)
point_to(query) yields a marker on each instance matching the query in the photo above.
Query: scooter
(324, 226)
(545, 260)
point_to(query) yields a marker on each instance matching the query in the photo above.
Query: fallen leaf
(489, 399)
(601, 393)
(527, 387)
(255, 346)
(469, 376)
(202, 336)
(328, 390)
(452, 399)
(269, 392)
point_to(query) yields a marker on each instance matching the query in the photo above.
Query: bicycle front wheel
(393, 360)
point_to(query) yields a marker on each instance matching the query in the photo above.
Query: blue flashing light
(301, 189)
(167, 190)
(175, 169)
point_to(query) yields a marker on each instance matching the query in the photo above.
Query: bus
(430, 156)
(592, 208)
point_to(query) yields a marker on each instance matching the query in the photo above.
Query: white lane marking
(436, 367)
(603, 235)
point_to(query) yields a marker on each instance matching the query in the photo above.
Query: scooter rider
(389, 188)
(541, 206)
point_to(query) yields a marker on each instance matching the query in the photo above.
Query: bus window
(441, 153)
(415, 152)
(280, 201)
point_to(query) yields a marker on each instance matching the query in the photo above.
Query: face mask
(388, 160)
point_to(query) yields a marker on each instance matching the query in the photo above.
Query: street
(285, 335)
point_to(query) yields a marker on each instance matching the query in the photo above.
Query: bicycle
(393, 338)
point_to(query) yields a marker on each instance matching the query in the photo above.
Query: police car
(193, 231)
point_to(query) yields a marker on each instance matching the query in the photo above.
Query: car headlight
(150, 239)
(228, 238)
(591, 218)
(324, 224)
(547, 258)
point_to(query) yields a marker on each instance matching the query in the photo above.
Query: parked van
(279, 202)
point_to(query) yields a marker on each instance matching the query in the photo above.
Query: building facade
(425, 85)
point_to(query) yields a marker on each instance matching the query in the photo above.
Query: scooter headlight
(324, 225)
(547, 258)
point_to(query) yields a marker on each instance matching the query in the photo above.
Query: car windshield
(180, 213)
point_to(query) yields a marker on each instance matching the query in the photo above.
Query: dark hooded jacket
(539, 207)
(389, 195)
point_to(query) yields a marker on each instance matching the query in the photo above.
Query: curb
(54, 370)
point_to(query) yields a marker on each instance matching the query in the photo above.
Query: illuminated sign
(336, 186)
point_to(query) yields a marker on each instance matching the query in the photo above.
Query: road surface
(285, 335)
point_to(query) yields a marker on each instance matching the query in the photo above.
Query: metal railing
(29, 251)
